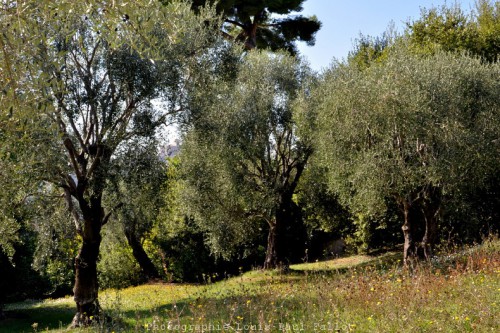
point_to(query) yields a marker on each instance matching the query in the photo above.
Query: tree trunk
(249, 33)
(427, 243)
(86, 284)
(140, 255)
(251, 41)
(409, 246)
(275, 254)
(272, 256)
(430, 211)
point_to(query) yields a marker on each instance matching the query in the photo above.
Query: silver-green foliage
(242, 153)
(80, 81)
(81, 75)
(8, 224)
(405, 123)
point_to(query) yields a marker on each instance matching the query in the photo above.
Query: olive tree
(84, 79)
(11, 202)
(409, 130)
(242, 157)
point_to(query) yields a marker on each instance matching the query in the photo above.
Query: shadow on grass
(310, 296)
(251, 288)
(224, 299)
(34, 316)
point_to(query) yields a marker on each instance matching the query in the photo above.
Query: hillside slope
(455, 293)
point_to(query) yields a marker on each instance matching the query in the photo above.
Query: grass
(454, 293)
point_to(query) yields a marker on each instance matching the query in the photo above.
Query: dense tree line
(396, 145)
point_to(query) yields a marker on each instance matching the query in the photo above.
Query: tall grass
(459, 292)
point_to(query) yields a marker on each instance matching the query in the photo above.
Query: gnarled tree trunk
(430, 210)
(272, 254)
(86, 286)
(275, 254)
(428, 240)
(420, 223)
(140, 255)
(409, 244)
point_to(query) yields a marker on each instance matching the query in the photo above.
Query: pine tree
(253, 23)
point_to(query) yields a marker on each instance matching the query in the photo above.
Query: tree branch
(95, 162)
(71, 208)
(235, 23)
(127, 113)
(108, 215)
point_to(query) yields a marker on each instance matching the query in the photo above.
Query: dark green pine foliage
(253, 23)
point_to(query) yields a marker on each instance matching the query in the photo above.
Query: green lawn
(459, 293)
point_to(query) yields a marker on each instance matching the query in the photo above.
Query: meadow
(455, 292)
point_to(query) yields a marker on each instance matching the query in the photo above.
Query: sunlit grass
(455, 293)
(334, 264)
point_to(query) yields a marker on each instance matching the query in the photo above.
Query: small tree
(412, 130)
(243, 159)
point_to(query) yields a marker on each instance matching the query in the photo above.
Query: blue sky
(344, 20)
